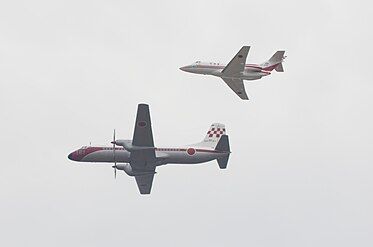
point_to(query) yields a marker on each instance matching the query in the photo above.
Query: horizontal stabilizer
(223, 162)
(223, 146)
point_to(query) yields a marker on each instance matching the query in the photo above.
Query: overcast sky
(301, 169)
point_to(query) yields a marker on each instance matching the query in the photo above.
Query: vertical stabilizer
(213, 135)
(275, 62)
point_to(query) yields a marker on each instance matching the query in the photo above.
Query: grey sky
(301, 169)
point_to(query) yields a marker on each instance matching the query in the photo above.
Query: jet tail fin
(275, 62)
(223, 146)
(279, 68)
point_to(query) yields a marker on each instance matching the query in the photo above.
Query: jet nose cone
(183, 68)
(71, 156)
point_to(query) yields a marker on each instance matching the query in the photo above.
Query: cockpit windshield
(195, 64)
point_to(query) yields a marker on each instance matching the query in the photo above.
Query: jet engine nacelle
(128, 169)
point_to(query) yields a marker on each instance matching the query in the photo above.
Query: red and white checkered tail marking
(213, 135)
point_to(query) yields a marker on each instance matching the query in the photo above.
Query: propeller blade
(115, 171)
(115, 160)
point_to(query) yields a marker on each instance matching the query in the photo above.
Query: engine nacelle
(127, 145)
(128, 169)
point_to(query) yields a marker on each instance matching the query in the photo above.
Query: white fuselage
(189, 155)
(251, 71)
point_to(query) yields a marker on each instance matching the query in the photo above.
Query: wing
(144, 183)
(143, 136)
(143, 160)
(237, 64)
(237, 86)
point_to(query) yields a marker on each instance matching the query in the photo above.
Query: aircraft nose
(71, 156)
(183, 68)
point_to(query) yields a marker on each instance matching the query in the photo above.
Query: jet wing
(143, 159)
(237, 86)
(237, 64)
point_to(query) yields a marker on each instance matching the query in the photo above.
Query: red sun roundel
(191, 151)
(141, 124)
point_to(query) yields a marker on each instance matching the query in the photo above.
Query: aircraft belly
(203, 71)
(248, 78)
(251, 75)
(215, 73)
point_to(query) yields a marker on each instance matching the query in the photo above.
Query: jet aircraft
(237, 70)
(139, 157)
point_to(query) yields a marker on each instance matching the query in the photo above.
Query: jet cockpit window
(196, 64)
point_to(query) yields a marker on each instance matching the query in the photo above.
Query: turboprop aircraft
(139, 157)
(237, 70)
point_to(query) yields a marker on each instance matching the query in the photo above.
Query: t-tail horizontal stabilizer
(223, 146)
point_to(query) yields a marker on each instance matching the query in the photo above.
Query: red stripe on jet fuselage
(255, 66)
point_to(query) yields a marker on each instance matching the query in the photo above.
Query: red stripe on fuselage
(86, 151)
(222, 67)
(272, 67)
(81, 153)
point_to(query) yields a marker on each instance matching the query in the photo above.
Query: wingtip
(143, 105)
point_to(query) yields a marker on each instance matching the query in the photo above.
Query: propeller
(115, 161)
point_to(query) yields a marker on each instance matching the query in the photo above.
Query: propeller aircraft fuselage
(139, 157)
(185, 155)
